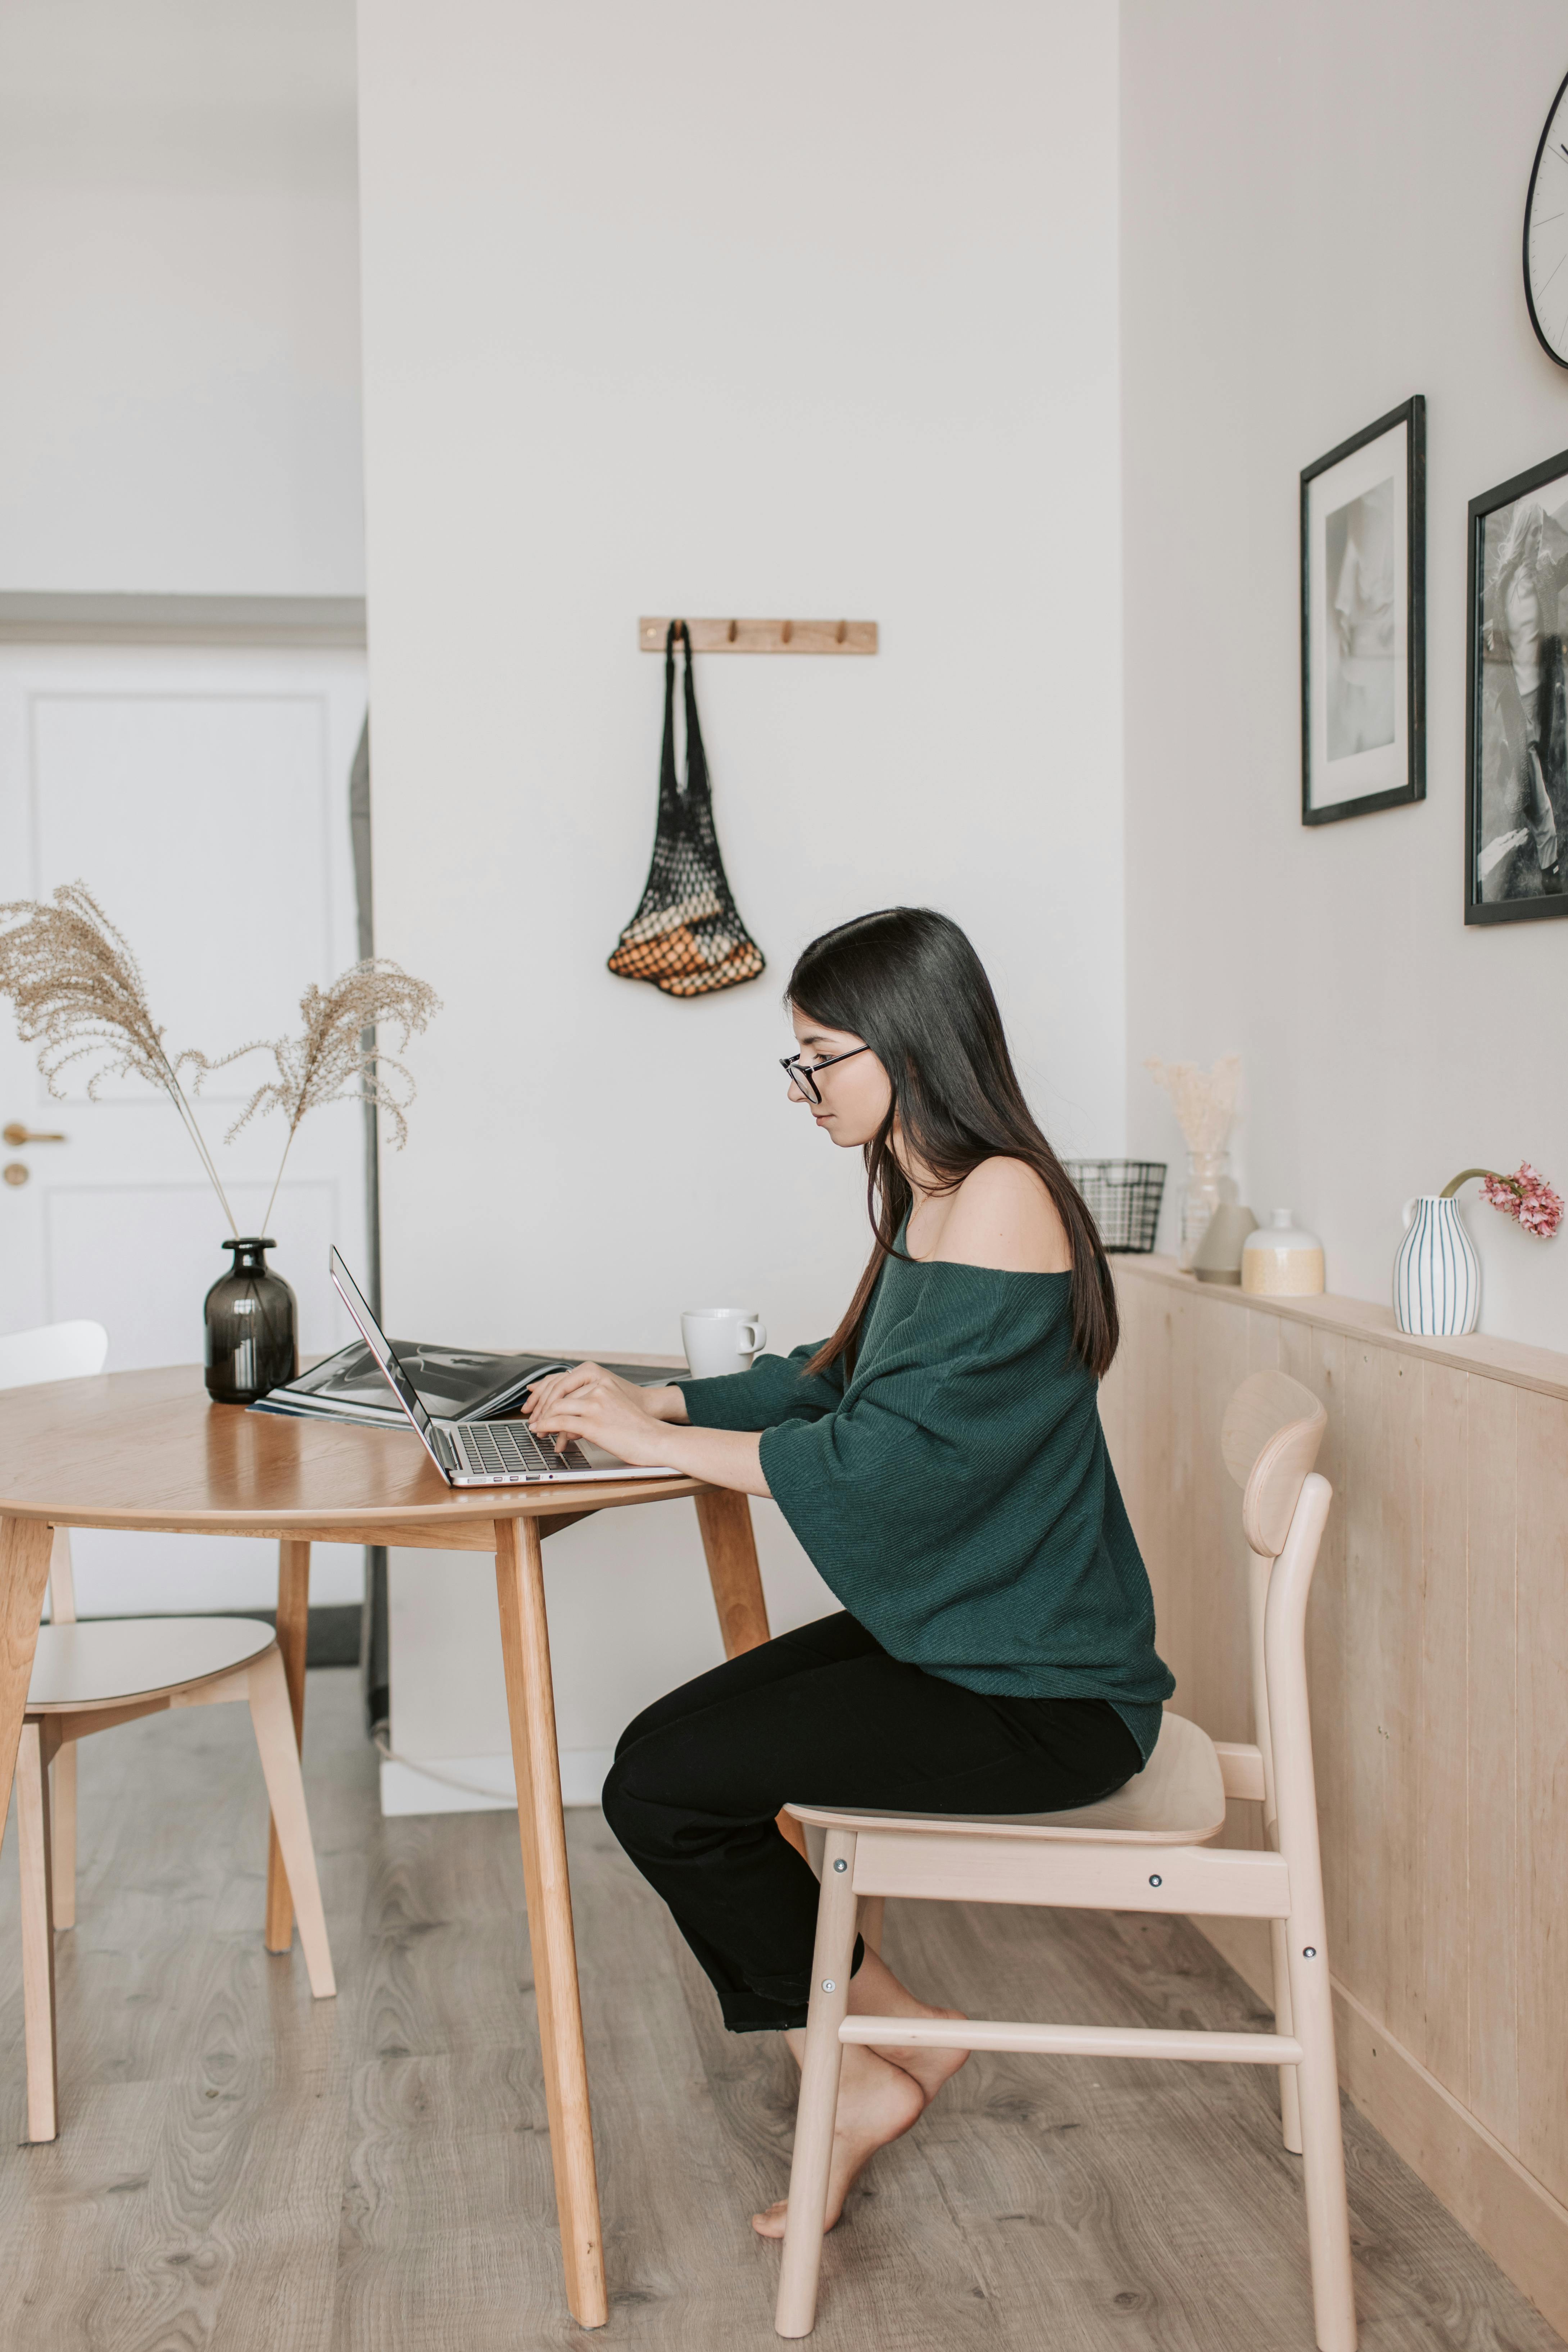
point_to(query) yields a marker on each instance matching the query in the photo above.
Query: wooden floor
(242, 2168)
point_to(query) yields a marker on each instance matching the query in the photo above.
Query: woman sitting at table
(941, 1460)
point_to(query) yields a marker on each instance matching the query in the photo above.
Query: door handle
(16, 1133)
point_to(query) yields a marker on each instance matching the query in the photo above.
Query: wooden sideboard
(1438, 1643)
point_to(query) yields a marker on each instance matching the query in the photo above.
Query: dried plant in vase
(79, 995)
(337, 1054)
(1205, 1105)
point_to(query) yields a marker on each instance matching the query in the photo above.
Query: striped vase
(1436, 1275)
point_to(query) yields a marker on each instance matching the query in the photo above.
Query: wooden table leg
(730, 1547)
(531, 1705)
(38, 1930)
(25, 1548)
(293, 1626)
(62, 1772)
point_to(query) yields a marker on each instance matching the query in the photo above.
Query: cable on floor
(384, 1747)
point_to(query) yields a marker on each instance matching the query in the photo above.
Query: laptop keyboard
(508, 1449)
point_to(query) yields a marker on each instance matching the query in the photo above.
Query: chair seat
(1178, 1799)
(109, 1660)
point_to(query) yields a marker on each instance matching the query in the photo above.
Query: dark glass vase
(249, 1316)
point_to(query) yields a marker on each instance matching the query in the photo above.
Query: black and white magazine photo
(1517, 763)
(1363, 672)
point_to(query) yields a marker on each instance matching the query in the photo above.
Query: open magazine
(454, 1383)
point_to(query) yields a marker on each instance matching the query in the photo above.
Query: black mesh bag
(686, 936)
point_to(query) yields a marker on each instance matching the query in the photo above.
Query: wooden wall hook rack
(763, 636)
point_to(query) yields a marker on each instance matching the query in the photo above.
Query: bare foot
(929, 2068)
(882, 2092)
(876, 1992)
(876, 2102)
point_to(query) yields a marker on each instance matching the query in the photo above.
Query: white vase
(1436, 1275)
(1281, 1260)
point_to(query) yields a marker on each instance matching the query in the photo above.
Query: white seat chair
(1144, 1849)
(54, 1351)
(89, 1677)
(58, 1351)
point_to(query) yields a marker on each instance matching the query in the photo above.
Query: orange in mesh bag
(686, 936)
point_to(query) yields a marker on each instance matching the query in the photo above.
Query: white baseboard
(426, 1785)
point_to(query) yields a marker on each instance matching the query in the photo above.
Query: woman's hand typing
(588, 1402)
(646, 1427)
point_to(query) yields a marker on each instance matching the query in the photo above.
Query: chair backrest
(55, 1351)
(1273, 1429)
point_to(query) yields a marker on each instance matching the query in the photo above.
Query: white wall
(179, 407)
(1321, 214)
(808, 314)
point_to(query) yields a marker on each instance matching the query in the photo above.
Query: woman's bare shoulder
(1003, 1217)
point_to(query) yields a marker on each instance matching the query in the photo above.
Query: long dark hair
(908, 980)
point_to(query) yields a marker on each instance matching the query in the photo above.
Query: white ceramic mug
(722, 1338)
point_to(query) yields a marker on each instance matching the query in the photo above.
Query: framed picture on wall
(1516, 731)
(1363, 597)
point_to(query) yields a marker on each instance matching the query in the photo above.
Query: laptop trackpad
(598, 1458)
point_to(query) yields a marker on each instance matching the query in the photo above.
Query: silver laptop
(481, 1453)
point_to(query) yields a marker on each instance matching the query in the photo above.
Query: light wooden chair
(89, 1677)
(1145, 1849)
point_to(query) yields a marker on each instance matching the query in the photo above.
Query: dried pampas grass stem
(1204, 1100)
(337, 1053)
(79, 996)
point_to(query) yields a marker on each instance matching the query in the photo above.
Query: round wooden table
(149, 1450)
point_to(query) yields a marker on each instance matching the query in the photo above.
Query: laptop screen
(381, 1348)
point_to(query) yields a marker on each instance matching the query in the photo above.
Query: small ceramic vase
(1280, 1260)
(1436, 1275)
(1218, 1255)
(1209, 1186)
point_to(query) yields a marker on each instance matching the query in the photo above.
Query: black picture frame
(1409, 694)
(1498, 784)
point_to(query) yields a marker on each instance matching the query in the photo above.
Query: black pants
(824, 1716)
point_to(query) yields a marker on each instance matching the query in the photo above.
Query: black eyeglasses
(803, 1074)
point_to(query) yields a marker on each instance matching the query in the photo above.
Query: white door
(201, 793)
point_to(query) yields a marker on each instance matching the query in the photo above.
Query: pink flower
(1527, 1197)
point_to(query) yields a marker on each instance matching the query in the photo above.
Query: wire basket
(1124, 1197)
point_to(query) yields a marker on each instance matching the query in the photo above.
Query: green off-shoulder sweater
(957, 1495)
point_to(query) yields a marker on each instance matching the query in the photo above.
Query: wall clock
(1546, 233)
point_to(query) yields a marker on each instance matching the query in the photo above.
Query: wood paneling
(1438, 1653)
(1542, 1604)
(1492, 1758)
(1512, 1360)
(1443, 2042)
